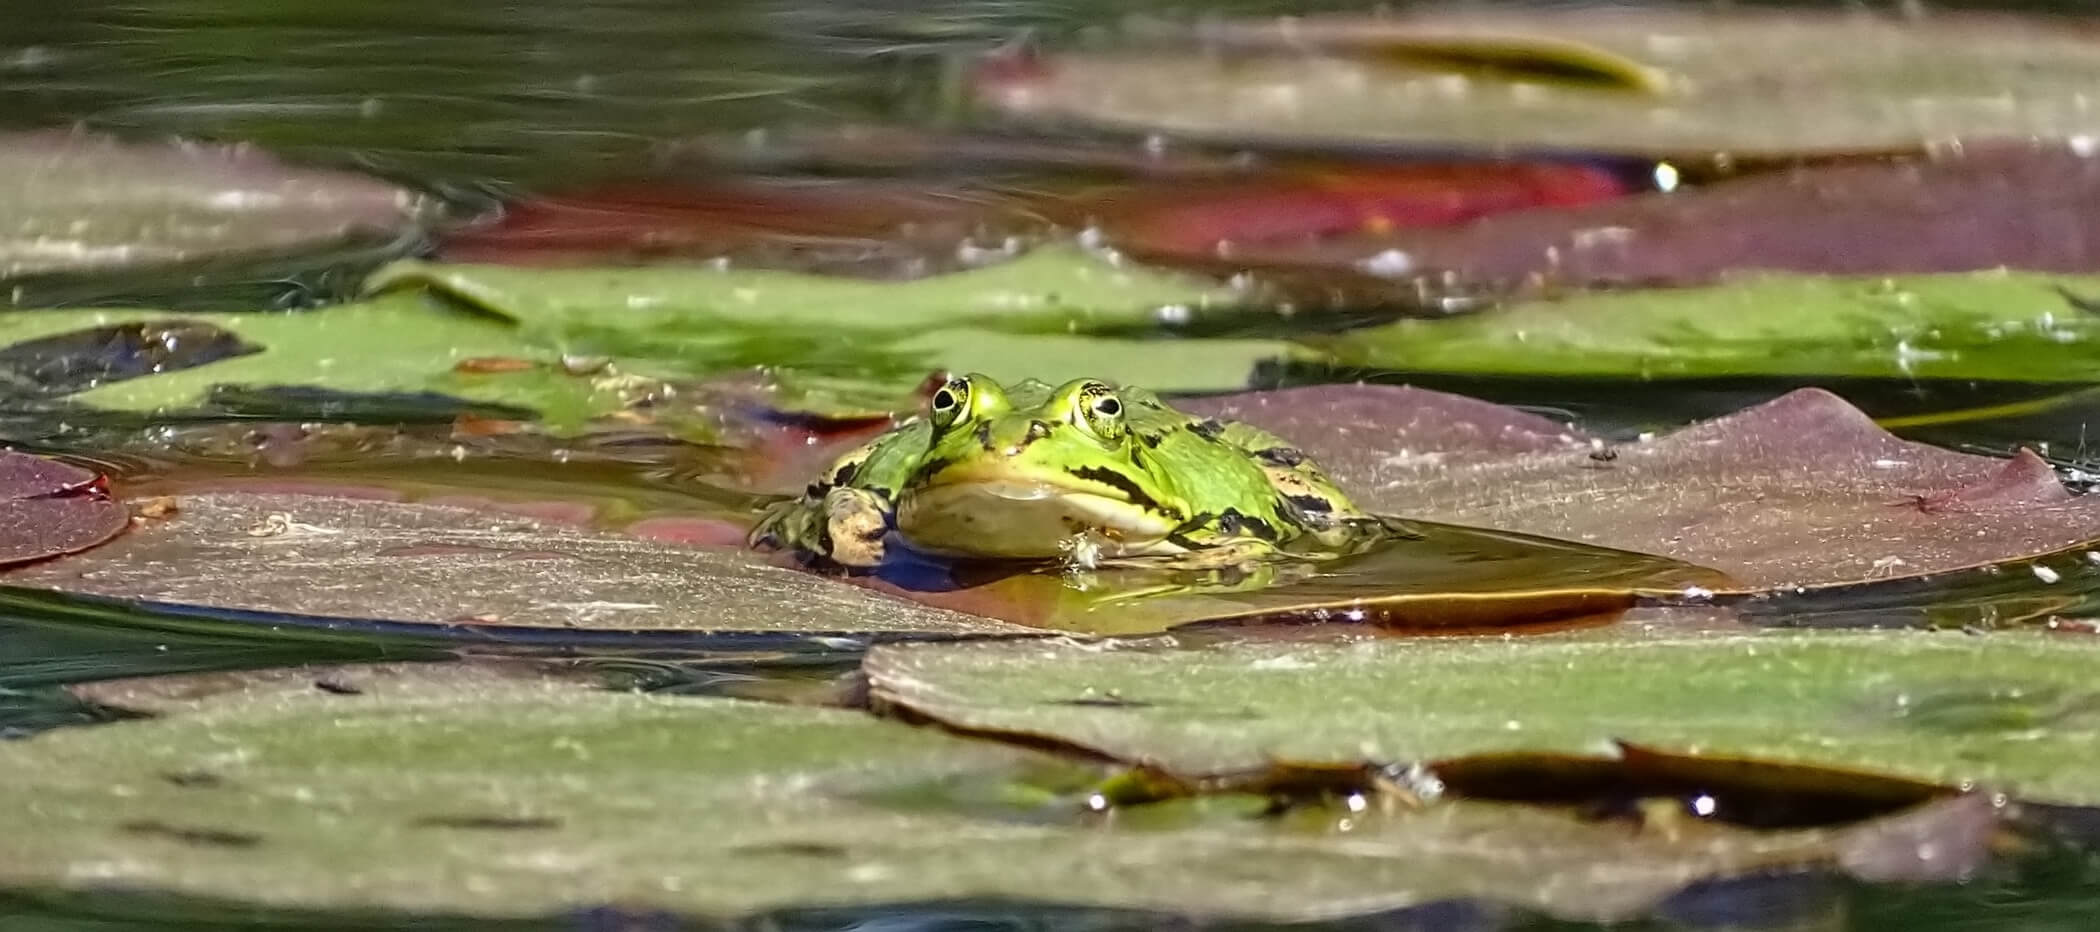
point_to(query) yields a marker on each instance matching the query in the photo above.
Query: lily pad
(78, 203)
(2010, 326)
(2029, 207)
(1054, 289)
(49, 508)
(1801, 491)
(886, 230)
(1651, 81)
(503, 797)
(2016, 712)
(461, 574)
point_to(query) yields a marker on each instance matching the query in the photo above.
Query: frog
(1084, 473)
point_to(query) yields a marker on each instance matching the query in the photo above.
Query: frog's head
(1023, 481)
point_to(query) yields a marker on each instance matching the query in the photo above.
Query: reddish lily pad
(453, 569)
(49, 508)
(1218, 222)
(1802, 491)
(2031, 207)
(76, 203)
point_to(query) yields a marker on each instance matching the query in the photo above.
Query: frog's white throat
(1025, 519)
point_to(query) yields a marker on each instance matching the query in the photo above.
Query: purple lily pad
(48, 508)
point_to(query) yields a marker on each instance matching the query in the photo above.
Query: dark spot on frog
(1310, 503)
(1150, 440)
(338, 688)
(1233, 522)
(1208, 428)
(203, 837)
(845, 474)
(489, 823)
(984, 434)
(1037, 430)
(815, 490)
(1121, 483)
(1281, 456)
(194, 779)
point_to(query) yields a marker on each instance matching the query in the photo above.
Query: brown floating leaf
(48, 508)
(74, 202)
(1802, 491)
(2024, 207)
(397, 561)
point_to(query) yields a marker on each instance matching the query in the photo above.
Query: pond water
(567, 161)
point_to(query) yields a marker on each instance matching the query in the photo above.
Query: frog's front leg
(855, 523)
(845, 526)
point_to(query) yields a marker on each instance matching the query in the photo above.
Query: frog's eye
(1102, 411)
(950, 402)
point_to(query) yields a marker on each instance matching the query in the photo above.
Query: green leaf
(1992, 325)
(2018, 713)
(454, 790)
(1052, 289)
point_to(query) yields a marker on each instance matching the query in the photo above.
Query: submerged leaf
(1736, 82)
(484, 796)
(1844, 701)
(73, 203)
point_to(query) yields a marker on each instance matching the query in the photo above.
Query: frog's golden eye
(950, 402)
(1102, 411)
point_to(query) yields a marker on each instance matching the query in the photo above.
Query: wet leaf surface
(514, 797)
(1672, 83)
(49, 508)
(1801, 491)
(76, 203)
(463, 570)
(2017, 713)
(1445, 580)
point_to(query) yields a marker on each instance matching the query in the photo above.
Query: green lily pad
(2010, 326)
(453, 571)
(435, 790)
(1673, 83)
(1053, 289)
(2018, 713)
(574, 346)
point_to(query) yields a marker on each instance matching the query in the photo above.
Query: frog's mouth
(1012, 517)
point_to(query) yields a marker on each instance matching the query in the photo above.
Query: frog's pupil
(1108, 407)
(943, 400)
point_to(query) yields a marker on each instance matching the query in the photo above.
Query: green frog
(1084, 472)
